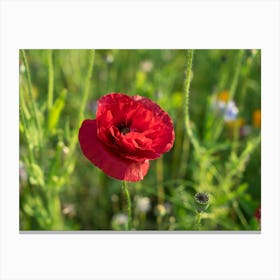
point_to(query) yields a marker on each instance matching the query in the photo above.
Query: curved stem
(187, 95)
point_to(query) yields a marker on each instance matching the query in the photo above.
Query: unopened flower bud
(201, 201)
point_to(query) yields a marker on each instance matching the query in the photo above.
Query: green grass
(61, 190)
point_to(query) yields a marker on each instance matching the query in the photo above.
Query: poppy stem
(128, 204)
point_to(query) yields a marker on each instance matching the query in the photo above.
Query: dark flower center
(123, 128)
(202, 197)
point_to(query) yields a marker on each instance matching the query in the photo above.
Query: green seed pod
(201, 201)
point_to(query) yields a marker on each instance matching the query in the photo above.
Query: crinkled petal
(162, 129)
(112, 164)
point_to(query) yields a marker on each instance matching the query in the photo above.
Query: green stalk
(236, 75)
(25, 129)
(51, 80)
(198, 220)
(186, 105)
(160, 189)
(87, 85)
(33, 103)
(128, 204)
(191, 138)
(74, 138)
(56, 212)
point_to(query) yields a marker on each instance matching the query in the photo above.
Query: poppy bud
(201, 201)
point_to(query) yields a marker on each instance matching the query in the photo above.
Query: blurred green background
(61, 190)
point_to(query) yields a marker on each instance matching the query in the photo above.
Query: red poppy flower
(128, 132)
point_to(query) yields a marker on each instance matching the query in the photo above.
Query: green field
(214, 99)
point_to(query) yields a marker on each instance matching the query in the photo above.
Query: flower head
(231, 111)
(223, 105)
(119, 221)
(128, 132)
(202, 201)
(257, 118)
(143, 204)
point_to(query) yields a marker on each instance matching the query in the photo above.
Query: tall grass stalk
(87, 86)
(74, 138)
(31, 97)
(51, 79)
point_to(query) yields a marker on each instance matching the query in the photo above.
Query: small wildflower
(147, 66)
(160, 210)
(119, 221)
(172, 220)
(202, 201)
(257, 118)
(143, 204)
(65, 150)
(69, 210)
(231, 111)
(222, 105)
(109, 58)
(115, 198)
(223, 96)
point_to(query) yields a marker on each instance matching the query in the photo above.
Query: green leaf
(56, 110)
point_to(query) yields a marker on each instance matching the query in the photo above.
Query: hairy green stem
(128, 204)
(187, 97)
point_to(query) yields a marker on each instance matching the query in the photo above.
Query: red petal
(162, 125)
(112, 164)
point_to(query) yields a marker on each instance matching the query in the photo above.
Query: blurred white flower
(231, 111)
(146, 66)
(69, 210)
(228, 109)
(109, 58)
(120, 219)
(143, 204)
